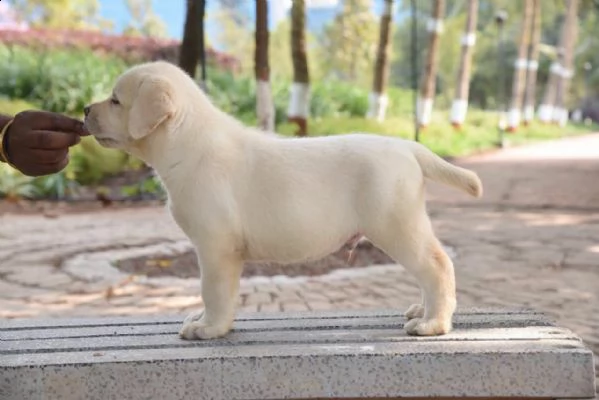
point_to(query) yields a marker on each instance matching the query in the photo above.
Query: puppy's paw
(415, 311)
(194, 316)
(195, 328)
(429, 327)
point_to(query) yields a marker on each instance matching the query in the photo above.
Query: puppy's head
(141, 105)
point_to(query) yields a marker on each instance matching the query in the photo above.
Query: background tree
(193, 43)
(349, 43)
(546, 108)
(235, 31)
(378, 100)
(299, 103)
(520, 68)
(427, 90)
(264, 106)
(532, 65)
(144, 21)
(62, 14)
(560, 111)
(460, 102)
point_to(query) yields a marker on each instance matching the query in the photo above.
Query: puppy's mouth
(104, 141)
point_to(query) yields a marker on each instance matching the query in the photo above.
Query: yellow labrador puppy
(240, 195)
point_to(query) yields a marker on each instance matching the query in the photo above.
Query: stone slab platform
(493, 353)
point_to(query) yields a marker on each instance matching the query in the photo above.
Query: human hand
(37, 143)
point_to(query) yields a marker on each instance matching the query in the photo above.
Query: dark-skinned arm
(4, 119)
(37, 142)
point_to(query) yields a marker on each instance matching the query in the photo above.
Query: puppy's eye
(115, 101)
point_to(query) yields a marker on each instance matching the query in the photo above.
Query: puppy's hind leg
(413, 245)
(220, 287)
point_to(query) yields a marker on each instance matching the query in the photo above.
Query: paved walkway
(533, 240)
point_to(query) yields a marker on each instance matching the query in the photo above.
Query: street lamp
(500, 18)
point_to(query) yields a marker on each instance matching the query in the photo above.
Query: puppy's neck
(185, 143)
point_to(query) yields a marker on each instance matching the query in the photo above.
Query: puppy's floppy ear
(152, 106)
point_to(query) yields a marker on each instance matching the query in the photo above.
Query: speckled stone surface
(490, 353)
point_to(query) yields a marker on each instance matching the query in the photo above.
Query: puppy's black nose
(86, 110)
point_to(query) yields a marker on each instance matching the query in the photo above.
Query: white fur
(242, 195)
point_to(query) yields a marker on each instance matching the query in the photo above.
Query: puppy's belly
(294, 248)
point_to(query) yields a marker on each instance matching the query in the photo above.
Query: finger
(48, 121)
(49, 140)
(49, 169)
(47, 157)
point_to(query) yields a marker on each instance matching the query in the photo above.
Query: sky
(173, 12)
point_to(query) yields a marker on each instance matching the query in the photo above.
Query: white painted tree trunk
(378, 100)
(560, 114)
(265, 109)
(299, 102)
(424, 111)
(533, 65)
(378, 104)
(520, 68)
(545, 113)
(427, 89)
(547, 105)
(459, 109)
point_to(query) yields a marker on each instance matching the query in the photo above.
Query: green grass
(12, 107)
(479, 134)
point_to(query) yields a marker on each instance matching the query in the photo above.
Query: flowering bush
(129, 48)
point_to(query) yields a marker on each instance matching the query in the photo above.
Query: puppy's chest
(183, 216)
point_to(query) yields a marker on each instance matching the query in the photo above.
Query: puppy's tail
(439, 170)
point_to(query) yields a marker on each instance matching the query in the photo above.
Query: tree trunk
(299, 104)
(460, 102)
(378, 99)
(521, 64)
(549, 97)
(265, 110)
(533, 65)
(192, 46)
(560, 111)
(427, 90)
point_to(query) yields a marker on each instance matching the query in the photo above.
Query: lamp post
(500, 18)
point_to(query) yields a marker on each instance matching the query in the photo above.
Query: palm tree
(264, 105)
(521, 66)
(533, 65)
(378, 99)
(192, 46)
(427, 90)
(460, 102)
(299, 103)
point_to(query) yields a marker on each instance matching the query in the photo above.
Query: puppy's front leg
(416, 310)
(220, 286)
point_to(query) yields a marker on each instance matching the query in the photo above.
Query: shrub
(90, 162)
(60, 81)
